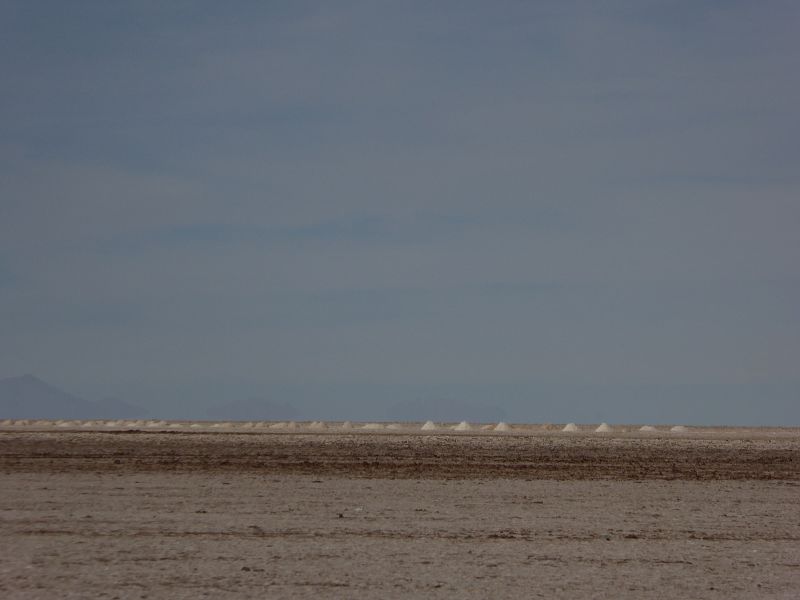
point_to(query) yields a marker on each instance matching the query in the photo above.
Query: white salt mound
(372, 426)
(280, 425)
(679, 429)
(502, 426)
(429, 426)
(463, 426)
(394, 426)
(175, 426)
(570, 427)
(603, 428)
(318, 425)
(647, 428)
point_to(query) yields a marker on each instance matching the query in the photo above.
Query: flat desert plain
(134, 514)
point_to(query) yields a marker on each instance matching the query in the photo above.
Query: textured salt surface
(159, 533)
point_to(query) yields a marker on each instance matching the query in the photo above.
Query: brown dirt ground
(232, 515)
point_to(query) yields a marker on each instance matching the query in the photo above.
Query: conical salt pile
(570, 427)
(429, 426)
(603, 428)
(679, 429)
(502, 426)
(463, 426)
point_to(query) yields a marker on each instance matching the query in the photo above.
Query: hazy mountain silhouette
(28, 397)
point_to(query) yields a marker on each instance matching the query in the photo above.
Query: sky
(536, 211)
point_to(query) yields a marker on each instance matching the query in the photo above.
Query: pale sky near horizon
(545, 211)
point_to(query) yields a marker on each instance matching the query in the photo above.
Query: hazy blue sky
(548, 211)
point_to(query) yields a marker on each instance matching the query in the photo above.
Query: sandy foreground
(98, 514)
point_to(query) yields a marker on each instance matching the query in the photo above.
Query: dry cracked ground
(231, 515)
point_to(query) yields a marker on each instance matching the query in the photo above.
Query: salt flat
(184, 515)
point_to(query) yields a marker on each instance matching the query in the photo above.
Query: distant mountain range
(28, 397)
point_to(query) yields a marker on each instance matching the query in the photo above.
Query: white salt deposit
(463, 426)
(291, 425)
(394, 426)
(372, 426)
(175, 426)
(248, 425)
(502, 426)
(196, 426)
(318, 425)
(279, 425)
(679, 429)
(603, 428)
(429, 426)
(647, 428)
(347, 425)
(570, 427)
